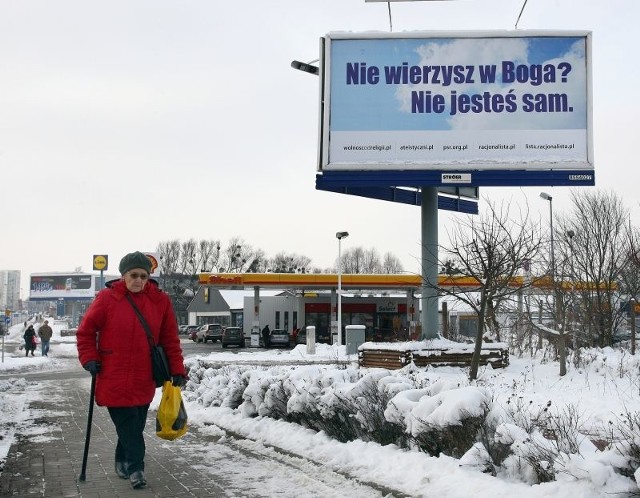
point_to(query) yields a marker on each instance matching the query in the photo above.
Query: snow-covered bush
(369, 399)
(496, 424)
(348, 404)
(625, 434)
(541, 442)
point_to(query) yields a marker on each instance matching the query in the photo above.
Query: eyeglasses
(142, 276)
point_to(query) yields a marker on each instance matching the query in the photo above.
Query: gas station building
(385, 304)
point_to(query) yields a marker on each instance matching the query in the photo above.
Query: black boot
(121, 470)
(137, 479)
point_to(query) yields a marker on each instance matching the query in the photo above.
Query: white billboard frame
(541, 130)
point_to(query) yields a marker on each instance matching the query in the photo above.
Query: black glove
(92, 366)
(179, 380)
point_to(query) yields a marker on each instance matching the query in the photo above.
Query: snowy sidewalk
(48, 464)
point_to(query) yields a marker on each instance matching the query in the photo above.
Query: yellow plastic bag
(171, 420)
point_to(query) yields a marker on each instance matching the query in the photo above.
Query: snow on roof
(235, 297)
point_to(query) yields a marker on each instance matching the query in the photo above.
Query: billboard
(452, 103)
(56, 285)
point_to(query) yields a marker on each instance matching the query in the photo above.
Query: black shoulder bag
(159, 361)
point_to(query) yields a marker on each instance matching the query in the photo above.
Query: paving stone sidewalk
(49, 466)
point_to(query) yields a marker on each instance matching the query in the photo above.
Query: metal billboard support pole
(429, 226)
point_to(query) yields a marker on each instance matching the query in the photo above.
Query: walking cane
(83, 472)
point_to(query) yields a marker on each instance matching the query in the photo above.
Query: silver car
(279, 337)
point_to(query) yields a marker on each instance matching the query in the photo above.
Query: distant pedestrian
(45, 332)
(113, 346)
(266, 333)
(29, 337)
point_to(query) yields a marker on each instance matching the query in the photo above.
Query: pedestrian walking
(266, 334)
(45, 332)
(29, 337)
(113, 346)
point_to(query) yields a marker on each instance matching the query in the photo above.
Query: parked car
(232, 336)
(191, 329)
(279, 337)
(210, 332)
(182, 329)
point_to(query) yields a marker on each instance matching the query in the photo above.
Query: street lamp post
(556, 314)
(340, 236)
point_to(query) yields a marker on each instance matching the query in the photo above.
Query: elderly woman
(113, 346)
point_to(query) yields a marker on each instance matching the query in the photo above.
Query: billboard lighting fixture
(307, 67)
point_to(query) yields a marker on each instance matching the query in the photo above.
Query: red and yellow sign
(368, 281)
(153, 257)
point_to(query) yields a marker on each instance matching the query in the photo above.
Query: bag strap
(144, 323)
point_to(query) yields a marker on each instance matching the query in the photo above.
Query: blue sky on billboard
(371, 81)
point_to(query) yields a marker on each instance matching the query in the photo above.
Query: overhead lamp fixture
(306, 67)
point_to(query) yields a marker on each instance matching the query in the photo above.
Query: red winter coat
(112, 334)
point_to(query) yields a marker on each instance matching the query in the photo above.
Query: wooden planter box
(393, 359)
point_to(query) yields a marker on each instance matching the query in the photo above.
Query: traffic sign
(100, 262)
(7, 320)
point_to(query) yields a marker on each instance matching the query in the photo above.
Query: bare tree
(630, 282)
(372, 262)
(289, 263)
(490, 250)
(391, 264)
(600, 250)
(169, 252)
(208, 254)
(178, 272)
(353, 261)
(240, 257)
(188, 261)
(630, 275)
(359, 260)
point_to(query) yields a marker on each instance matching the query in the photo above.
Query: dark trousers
(129, 422)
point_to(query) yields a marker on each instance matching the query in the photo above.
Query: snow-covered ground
(604, 388)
